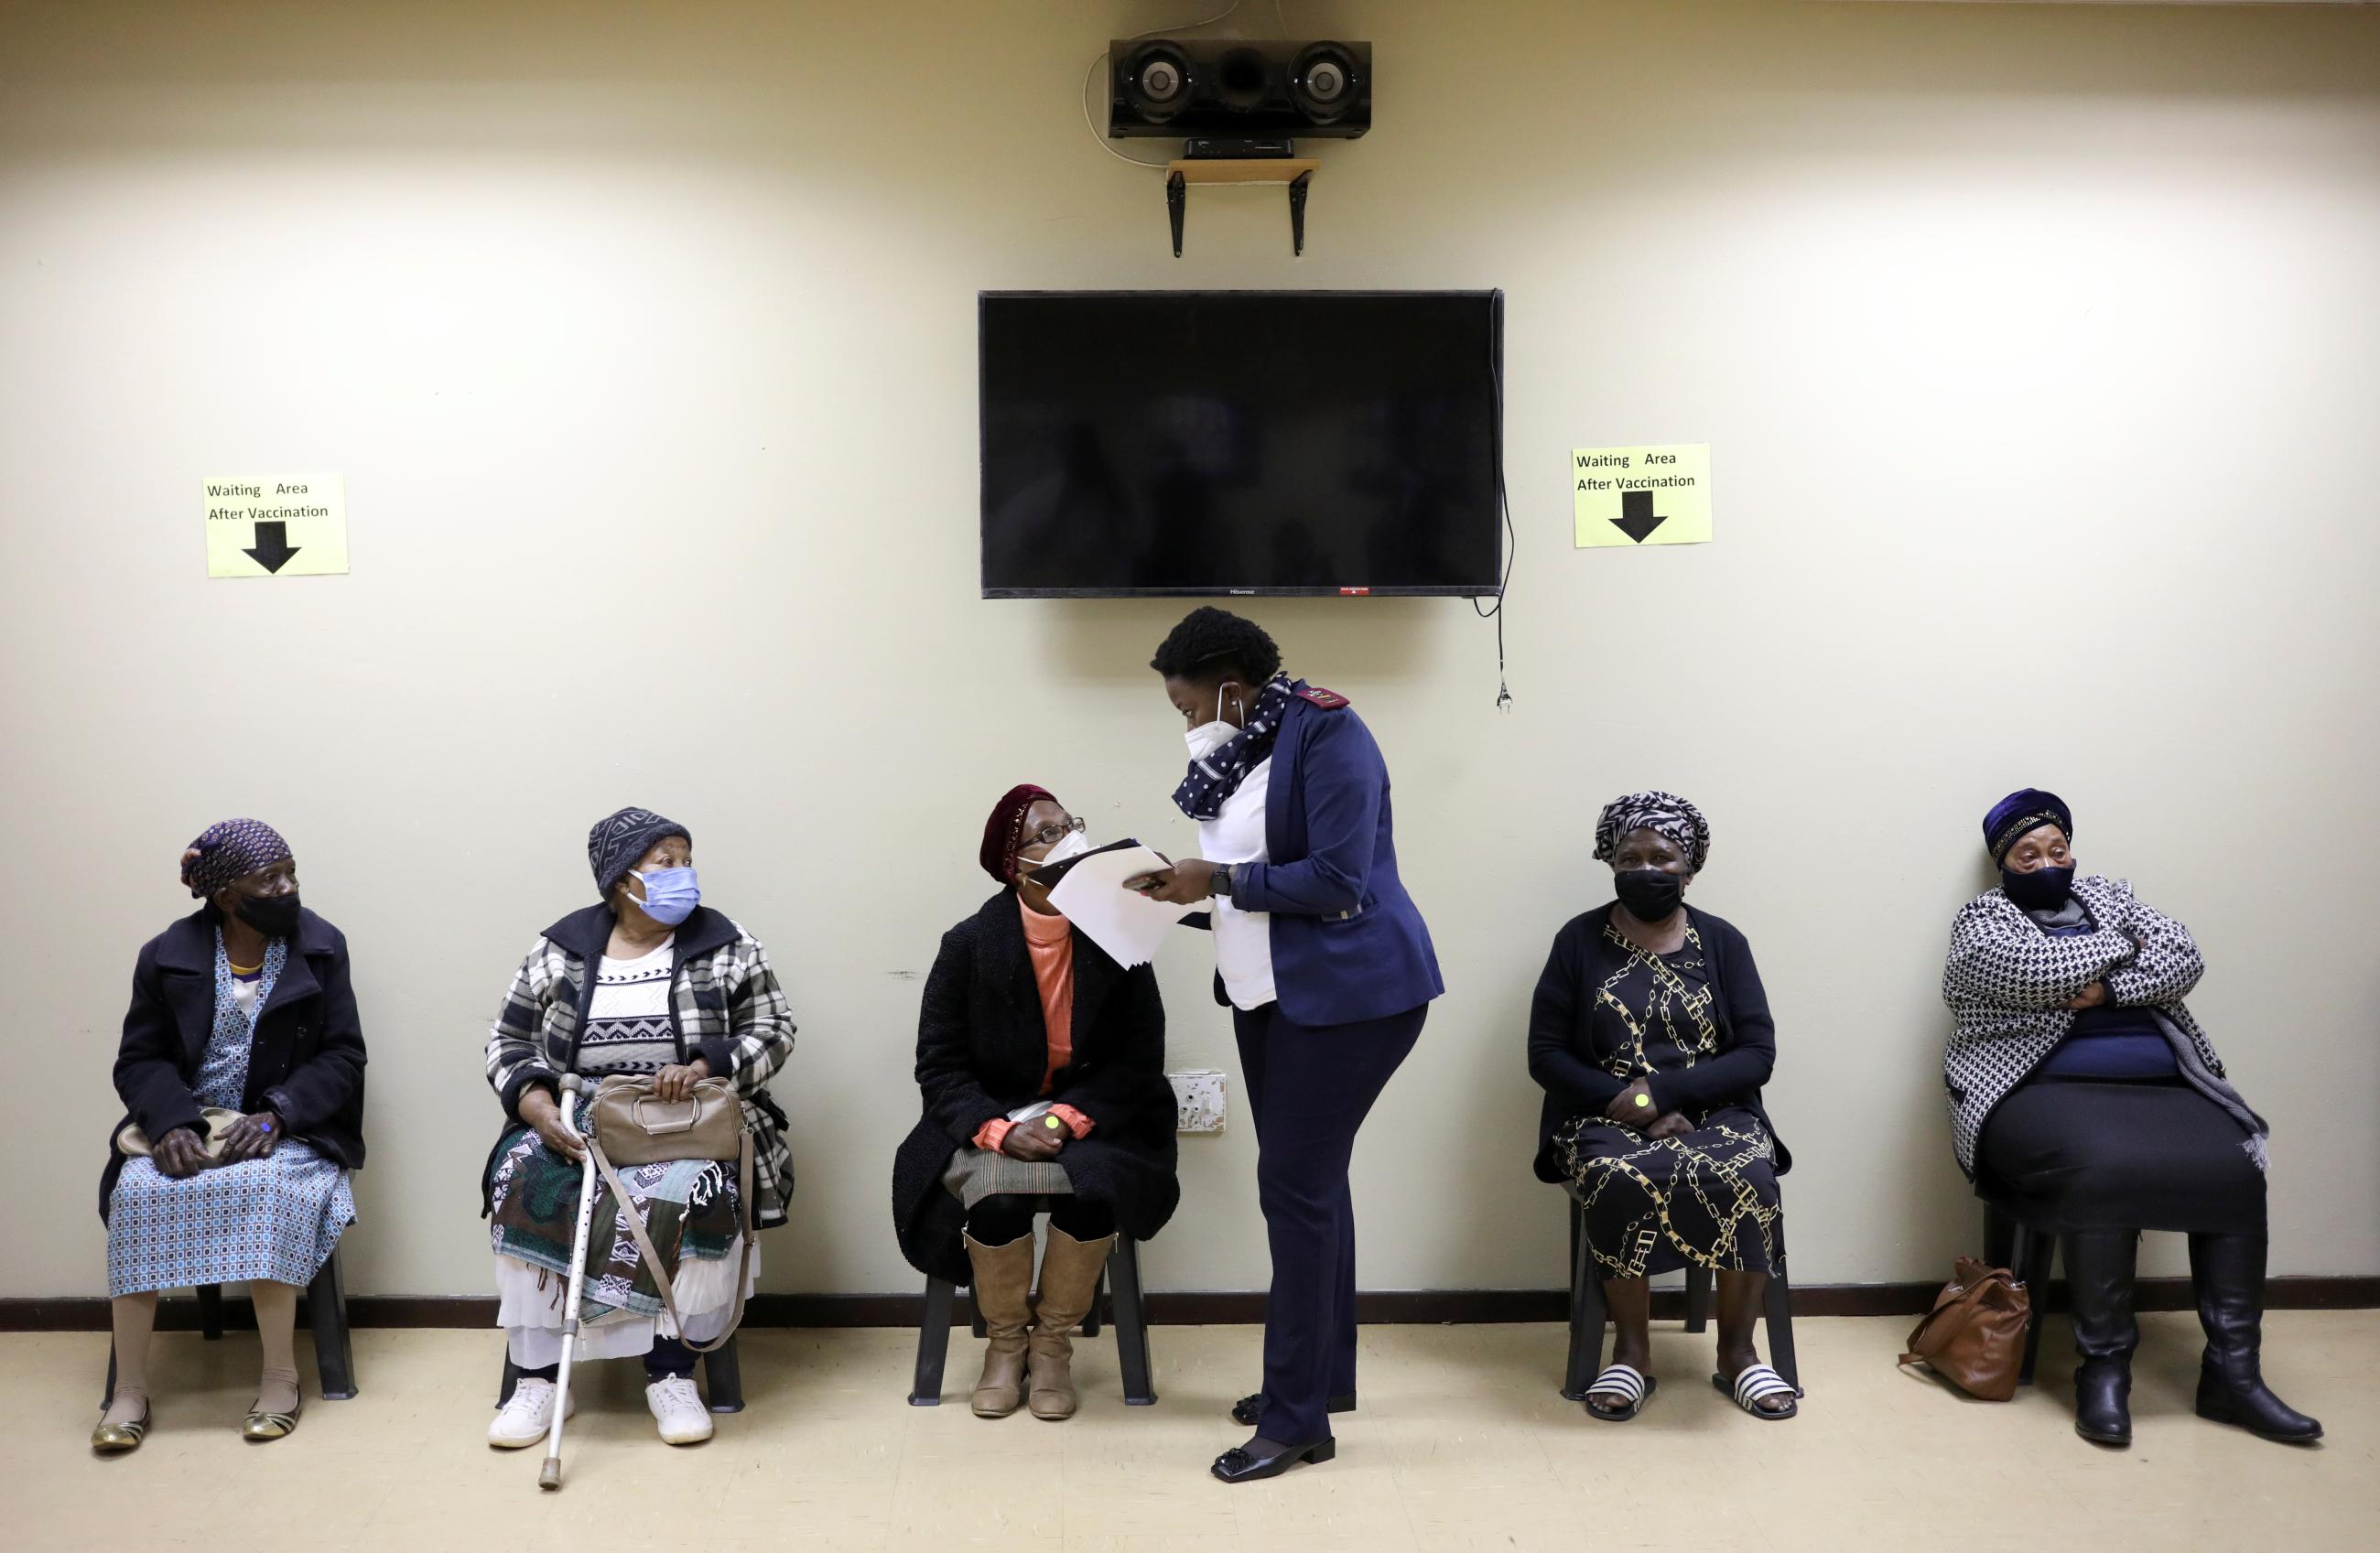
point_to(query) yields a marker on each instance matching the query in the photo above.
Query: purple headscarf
(229, 852)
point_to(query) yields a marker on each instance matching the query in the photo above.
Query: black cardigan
(307, 1061)
(983, 1045)
(1562, 1048)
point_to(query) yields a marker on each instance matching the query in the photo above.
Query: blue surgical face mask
(671, 894)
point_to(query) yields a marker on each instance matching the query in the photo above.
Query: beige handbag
(213, 1122)
(628, 1122)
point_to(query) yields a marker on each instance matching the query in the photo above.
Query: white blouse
(1242, 938)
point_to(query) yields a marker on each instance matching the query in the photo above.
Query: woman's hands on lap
(2093, 996)
(177, 1154)
(1632, 1106)
(1032, 1143)
(251, 1138)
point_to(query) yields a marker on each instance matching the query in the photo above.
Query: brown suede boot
(1003, 1287)
(1070, 1281)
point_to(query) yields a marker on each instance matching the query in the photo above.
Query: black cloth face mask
(274, 916)
(1649, 895)
(2042, 889)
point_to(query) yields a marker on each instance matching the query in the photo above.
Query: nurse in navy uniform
(1328, 972)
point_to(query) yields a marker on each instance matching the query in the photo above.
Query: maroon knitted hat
(1004, 832)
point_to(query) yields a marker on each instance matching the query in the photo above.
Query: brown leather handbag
(628, 1124)
(1974, 1337)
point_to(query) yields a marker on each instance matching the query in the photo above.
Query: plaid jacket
(725, 1006)
(2008, 984)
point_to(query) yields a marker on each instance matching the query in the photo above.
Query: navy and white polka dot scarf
(1215, 778)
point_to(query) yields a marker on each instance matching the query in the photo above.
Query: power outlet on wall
(1198, 1100)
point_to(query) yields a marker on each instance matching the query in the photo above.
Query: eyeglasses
(1051, 834)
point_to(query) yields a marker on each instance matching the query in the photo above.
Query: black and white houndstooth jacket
(2008, 984)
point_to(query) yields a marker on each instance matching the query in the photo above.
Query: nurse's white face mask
(1209, 737)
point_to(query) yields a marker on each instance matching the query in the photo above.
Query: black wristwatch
(1222, 883)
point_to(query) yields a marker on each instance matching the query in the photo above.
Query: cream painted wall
(2039, 348)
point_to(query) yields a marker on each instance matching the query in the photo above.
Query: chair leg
(725, 1372)
(1586, 1312)
(2037, 1260)
(326, 1312)
(1999, 1238)
(1131, 1323)
(933, 1345)
(1090, 1327)
(1778, 1309)
(210, 1311)
(1698, 1298)
(511, 1379)
(108, 1395)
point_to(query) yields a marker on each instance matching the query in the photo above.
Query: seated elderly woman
(242, 1073)
(1651, 1035)
(646, 982)
(2085, 1100)
(1041, 1063)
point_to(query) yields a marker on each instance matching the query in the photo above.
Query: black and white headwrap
(1664, 814)
(1218, 776)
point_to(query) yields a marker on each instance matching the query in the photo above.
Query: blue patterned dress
(277, 1218)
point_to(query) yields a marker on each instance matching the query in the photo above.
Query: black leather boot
(2099, 1281)
(2227, 1274)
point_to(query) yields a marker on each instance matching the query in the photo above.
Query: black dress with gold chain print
(1653, 1205)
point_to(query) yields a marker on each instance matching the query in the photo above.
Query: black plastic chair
(1588, 1317)
(325, 1311)
(1120, 1280)
(2032, 1256)
(722, 1374)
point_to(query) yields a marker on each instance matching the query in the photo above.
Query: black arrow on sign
(273, 549)
(1636, 518)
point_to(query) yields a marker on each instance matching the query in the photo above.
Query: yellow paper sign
(1642, 495)
(276, 526)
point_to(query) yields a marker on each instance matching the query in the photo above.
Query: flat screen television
(1236, 442)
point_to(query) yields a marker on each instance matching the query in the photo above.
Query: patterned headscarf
(1664, 814)
(1004, 832)
(229, 852)
(2027, 809)
(620, 841)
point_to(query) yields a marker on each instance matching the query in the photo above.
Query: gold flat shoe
(114, 1439)
(263, 1427)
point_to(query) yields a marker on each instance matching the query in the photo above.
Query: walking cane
(549, 1477)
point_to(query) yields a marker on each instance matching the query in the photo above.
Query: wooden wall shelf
(1297, 172)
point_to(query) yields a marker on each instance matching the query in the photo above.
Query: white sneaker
(529, 1417)
(677, 1408)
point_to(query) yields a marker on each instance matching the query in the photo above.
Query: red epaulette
(1328, 700)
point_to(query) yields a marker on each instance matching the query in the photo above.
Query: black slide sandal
(1756, 1385)
(1619, 1380)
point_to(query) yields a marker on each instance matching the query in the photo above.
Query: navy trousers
(1309, 1089)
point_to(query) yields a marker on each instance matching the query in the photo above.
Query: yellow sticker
(1656, 495)
(276, 526)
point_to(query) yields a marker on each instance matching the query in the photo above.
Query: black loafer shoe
(1249, 1410)
(1263, 1458)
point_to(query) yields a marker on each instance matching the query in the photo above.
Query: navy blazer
(307, 1063)
(1348, 943)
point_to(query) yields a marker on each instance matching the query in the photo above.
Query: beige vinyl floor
(1462, 1443)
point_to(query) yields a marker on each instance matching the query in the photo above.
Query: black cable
(1512, 538)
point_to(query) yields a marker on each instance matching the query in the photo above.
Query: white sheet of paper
(1126, 924)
